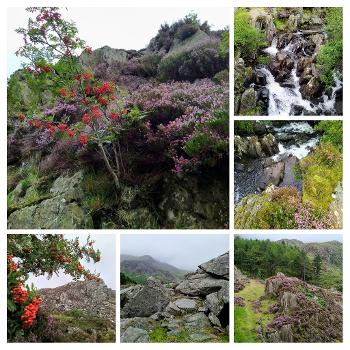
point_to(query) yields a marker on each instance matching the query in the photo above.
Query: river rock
(312, 89)
(271, 175)
(152, 298)
(248, 101)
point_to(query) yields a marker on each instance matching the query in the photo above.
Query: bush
(332, 131)
(186, 31)
(247, 39)
(201, 62)
(321, 171)
(330, 57)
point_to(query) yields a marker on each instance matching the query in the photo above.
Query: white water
(294, 127)
(282, 99)
(299, 151)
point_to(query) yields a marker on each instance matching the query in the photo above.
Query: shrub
(332, 131)
(247, 39)
(321, 171)
(330, 57)
(186, 31)
(203, 61)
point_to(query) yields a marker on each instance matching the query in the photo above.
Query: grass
(159, 335)
(246, 320)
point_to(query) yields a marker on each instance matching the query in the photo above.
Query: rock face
(254, 146)
(198, 306)
(62, 211)
(91, 297)
(240, 280)
(318, 310)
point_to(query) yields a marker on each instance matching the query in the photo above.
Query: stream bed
(295, 140)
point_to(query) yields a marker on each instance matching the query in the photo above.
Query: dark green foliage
(125, 279)
(330, 56)
(137, 278)
(186, 31)
(332, 131)
(244, 126)
(317, 265)
(264, 258)
(202, 62)
(247, 39)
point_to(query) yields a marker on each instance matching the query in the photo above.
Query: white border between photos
(229, 4)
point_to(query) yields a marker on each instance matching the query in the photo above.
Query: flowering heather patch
(192, 119)
(280, 321)
(239, 301)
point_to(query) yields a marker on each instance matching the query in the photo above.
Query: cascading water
(285, 98)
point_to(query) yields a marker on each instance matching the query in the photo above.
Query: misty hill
(331, 252)
(142, 267)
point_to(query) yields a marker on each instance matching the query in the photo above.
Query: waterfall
(283, 99)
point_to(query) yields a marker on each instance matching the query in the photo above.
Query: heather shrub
(186, 31)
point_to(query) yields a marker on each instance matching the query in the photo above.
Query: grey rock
(248, 101)
(186, 305)
(134, 335)
(152, 298)
(219, 266)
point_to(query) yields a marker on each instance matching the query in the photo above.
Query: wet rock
(248, 101)
(312, 89)
(271, 175)
(260, 79)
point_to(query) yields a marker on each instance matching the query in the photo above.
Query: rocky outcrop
(198, 306)
(318, 310)
(240, 280)
(90, 297)
(254, 146)
(62, 210)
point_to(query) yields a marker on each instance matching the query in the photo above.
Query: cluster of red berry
(19, 294)
(30, 312)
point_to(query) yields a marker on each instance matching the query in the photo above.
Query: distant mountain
(138, 266)
(331, 252)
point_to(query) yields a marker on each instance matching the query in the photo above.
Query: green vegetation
(330, 56)
(244, 126)
(247, 39)
(280, 24)
(266, 60)
(332, 131)
(264, 258)
(126, 280)
(137, 278)
(159, 335)
(322, 171)
(246, 318)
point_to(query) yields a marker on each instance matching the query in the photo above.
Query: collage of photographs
(156, 158)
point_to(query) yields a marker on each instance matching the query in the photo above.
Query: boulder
(271, 175)
(312, 89)
(218, 267)
(200, 284)
(186, 305)
(134, 335)
(248, 101)
(152, 298)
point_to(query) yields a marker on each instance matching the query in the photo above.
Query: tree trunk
(109, 167)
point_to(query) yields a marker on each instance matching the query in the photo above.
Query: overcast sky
(106, 267)
(184, 251)
(120, 28)
(306, 238)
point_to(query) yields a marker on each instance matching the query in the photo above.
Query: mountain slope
(148, 266)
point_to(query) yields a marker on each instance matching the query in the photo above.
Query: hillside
(109, 138)
(286, 310)
(140, 268)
